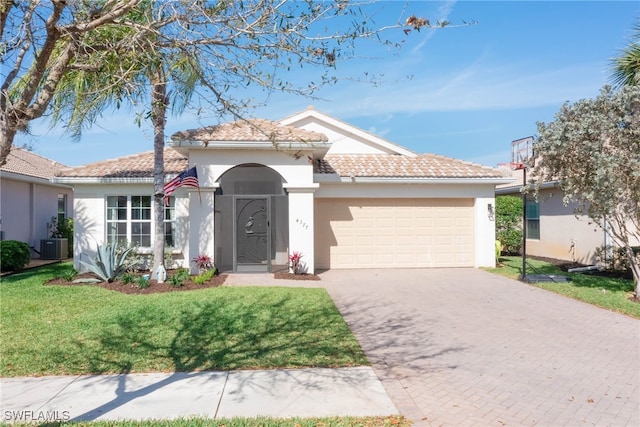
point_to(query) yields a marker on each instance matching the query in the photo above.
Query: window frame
(62, 210)
(137, 214)
(169, 221)
(533, 219)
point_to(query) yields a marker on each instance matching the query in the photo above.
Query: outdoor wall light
(491, 212)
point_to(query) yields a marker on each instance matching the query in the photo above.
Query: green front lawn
(605, 292)
(56, 330)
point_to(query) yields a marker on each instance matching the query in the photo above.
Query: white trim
(32, 179)
(518, 188)
(97, 180)
(249, 145)
(335, 179)
(295, 188)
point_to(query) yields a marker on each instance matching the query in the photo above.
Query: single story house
(553, 229)
(309, 183)
(29, 201)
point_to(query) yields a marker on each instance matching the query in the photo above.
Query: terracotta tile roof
(518, 175)
(134, 166)
(396, 166)
(26, 163)
(344, 165)
(254, 130)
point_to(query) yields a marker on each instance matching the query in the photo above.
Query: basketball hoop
(521, 152)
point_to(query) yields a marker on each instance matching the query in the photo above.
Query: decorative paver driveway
(462, 347)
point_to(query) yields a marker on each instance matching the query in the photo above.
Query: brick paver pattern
(467, 348)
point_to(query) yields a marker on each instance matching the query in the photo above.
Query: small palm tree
(626, 67)
(122, 74)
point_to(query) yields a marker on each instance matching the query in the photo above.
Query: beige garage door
(392, 233)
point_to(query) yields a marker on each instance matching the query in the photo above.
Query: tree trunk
(7, 134)
(635, 268)
(159, 104)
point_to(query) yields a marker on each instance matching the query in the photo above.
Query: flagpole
(199, 194)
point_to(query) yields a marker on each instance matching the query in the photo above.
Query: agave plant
(112, 261)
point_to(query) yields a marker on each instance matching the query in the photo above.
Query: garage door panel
(384, 240)
(385, 222)
(378, 233)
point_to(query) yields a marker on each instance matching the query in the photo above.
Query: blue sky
(473, 89)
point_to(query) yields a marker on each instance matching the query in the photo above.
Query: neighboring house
(341, 196)
(29, 200)
(553, 229)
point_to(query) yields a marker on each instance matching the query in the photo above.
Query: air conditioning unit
(54, 248)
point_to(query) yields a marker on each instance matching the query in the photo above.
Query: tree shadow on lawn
(208, 336)
(594, 279)
(601, 282)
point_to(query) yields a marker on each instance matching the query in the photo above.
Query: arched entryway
(251, 220)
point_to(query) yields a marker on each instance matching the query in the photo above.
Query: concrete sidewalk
(281, 393)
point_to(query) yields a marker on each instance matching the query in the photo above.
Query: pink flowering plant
(296, 265)
(203, 262)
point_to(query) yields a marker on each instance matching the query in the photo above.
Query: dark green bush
(64, 229)
(509, 224)
(615, 258)
(14, 255)
(179, 277)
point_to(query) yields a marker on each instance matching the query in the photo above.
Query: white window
(62, 208)
(117, 219)
(170, 222)
(130, 220)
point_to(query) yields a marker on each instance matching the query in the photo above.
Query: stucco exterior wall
(485, 232)
(213, 163)
(90, 216)
(341, 143)
(563, 235)
(301, 224)
(27, 207)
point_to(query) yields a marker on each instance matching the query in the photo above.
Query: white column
(301, 230)
(485, 232)
(201, 218)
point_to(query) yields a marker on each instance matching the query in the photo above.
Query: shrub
(509, 224)
(203, 262)
(296, 264)
(179, 277)
(63, 229)
(128, 278)
(615, 258)
(14, 255)
(112, 261)
(142, 281)
(204, 277)
(68, 274)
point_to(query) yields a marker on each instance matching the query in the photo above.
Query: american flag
(188, 178)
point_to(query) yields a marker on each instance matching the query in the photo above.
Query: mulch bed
(566, 265)
(132, 288)
(155, 287)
